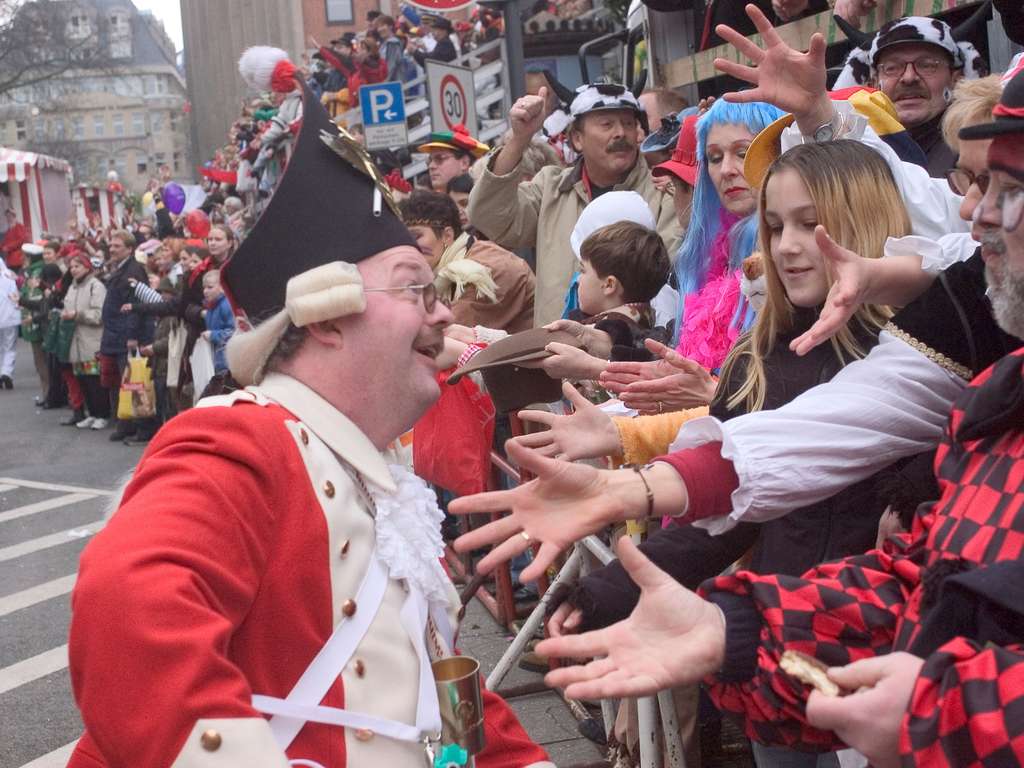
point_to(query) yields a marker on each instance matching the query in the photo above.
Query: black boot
(74, 418)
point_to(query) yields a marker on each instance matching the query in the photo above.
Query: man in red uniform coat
(269, 589)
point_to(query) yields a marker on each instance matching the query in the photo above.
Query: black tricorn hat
(1008, 115)
(330, 205)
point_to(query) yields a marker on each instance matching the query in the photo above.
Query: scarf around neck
(455, 272)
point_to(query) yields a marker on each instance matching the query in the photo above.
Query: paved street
(55, 485)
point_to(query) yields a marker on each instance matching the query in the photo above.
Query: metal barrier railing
(587, 554)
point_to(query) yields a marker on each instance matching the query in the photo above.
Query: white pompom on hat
(265, 68)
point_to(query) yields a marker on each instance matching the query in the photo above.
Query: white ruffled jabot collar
(408, 527)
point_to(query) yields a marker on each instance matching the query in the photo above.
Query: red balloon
(198, 223)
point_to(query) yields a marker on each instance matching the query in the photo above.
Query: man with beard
(604, 122)
(916, 61)
(269, 590)
(923, 637)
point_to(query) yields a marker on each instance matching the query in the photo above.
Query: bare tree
(41, 39)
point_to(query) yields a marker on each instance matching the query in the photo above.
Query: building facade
(128, 114)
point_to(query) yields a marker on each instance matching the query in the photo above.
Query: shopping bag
(137, 398)
(451, 442)
(201, 362)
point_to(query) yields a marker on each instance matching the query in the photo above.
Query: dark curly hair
(436, 210)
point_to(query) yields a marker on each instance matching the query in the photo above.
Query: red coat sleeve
(162, 589)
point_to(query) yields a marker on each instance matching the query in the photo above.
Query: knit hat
(82, 258)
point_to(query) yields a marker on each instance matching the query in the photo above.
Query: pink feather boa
(708, 331)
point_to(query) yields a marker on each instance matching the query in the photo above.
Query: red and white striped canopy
(15, 164)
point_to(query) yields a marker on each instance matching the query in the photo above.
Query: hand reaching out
(673, 637)
(850, 284)
(791, 80)
(671, 383)
(587, 433)
(564, 503)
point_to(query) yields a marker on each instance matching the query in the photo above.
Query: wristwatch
(827, 131)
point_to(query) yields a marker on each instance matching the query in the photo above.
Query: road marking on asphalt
(6, 488)
(52, 540)
(56, 487)
(33, 668)
(37, 594)
(44, 505)
(56, 759)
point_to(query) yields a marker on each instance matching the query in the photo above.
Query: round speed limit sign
(453, 101)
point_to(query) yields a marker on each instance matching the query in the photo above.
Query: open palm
(586, 433)
(791, 80)
(672, 638)
(564, 503)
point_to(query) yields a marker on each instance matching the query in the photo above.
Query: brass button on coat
(360, 668)
(344, 547)
(305, 436)
(349, 608)
(210, 740)
(329, 489)
(364, 734)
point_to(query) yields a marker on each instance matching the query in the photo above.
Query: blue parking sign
(383, 108)
(382, 104)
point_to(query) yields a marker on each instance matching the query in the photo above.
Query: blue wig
(694, 257)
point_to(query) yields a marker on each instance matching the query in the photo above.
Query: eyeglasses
(439, 158)
(961, 180)
(1009, 202)
(926, 66)
(426, 291)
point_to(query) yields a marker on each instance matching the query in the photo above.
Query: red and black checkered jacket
(967, 706)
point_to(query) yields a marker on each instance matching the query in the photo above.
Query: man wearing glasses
(916, 61)
(269, 590)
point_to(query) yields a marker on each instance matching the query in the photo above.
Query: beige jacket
(541, 214)
(86, 300)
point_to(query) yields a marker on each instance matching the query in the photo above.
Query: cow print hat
(859, 68)
(591, 97)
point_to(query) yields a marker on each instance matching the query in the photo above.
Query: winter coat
(86, 300)
(541, 214)
(220, 322)
(118, 327)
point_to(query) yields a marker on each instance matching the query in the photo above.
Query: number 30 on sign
(452, 95)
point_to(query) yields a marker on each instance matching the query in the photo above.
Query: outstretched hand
(673, 637)
(671, 383)
(849, 287)
(564, 503)
(587, 433)
(791, 80)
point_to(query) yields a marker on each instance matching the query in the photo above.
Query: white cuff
(231, 742)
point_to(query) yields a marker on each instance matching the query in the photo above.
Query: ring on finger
(525, 535)
(661, 407)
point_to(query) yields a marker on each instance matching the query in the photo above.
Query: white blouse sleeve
(893, 403)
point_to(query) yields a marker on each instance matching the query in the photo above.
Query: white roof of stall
(15, 163)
